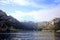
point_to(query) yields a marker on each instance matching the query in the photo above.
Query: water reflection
(29, 35)
(57, 36)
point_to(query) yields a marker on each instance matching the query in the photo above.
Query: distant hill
(7, 22)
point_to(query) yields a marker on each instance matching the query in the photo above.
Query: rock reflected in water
(30, 35)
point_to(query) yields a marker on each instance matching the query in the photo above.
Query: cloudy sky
(31, 10)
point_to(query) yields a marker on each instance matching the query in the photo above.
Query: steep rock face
(3, 26)
(3, 18)
(57, 23)
(2, 13)
(7, 21)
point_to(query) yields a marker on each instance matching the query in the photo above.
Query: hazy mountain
(10, 21)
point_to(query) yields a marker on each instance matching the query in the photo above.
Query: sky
(31, 10)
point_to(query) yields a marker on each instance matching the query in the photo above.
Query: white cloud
(18, 2)
(21, 2)
(4, 2)
(39, 15)
(26, 3)
(18, 15)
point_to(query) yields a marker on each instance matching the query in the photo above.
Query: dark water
(30, 35)
(57, 36)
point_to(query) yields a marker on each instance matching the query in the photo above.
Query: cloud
(39, 15)
(33, 3)
(47, 12)
(18, 2)
(21, 2)
(18, 15)
(4, 2)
